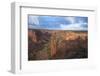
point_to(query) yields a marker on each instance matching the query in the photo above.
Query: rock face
(32, 35)
(50, 44)
(53, 44)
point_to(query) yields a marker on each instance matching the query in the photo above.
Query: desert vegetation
(57, 44)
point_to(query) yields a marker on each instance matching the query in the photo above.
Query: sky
(58, 22)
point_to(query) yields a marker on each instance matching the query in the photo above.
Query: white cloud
(34, 20)
(75, 26)
(71, 19)
(34, 27)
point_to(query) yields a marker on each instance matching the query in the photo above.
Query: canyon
(57, 44)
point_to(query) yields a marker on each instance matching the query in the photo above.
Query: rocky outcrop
(32, 35)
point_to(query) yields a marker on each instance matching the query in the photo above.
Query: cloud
(77, 23)
(33, 20)
(70, 19)
(34, 27)
(76, 26)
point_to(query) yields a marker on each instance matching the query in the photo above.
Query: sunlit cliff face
(74, 36)
(32, 35)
